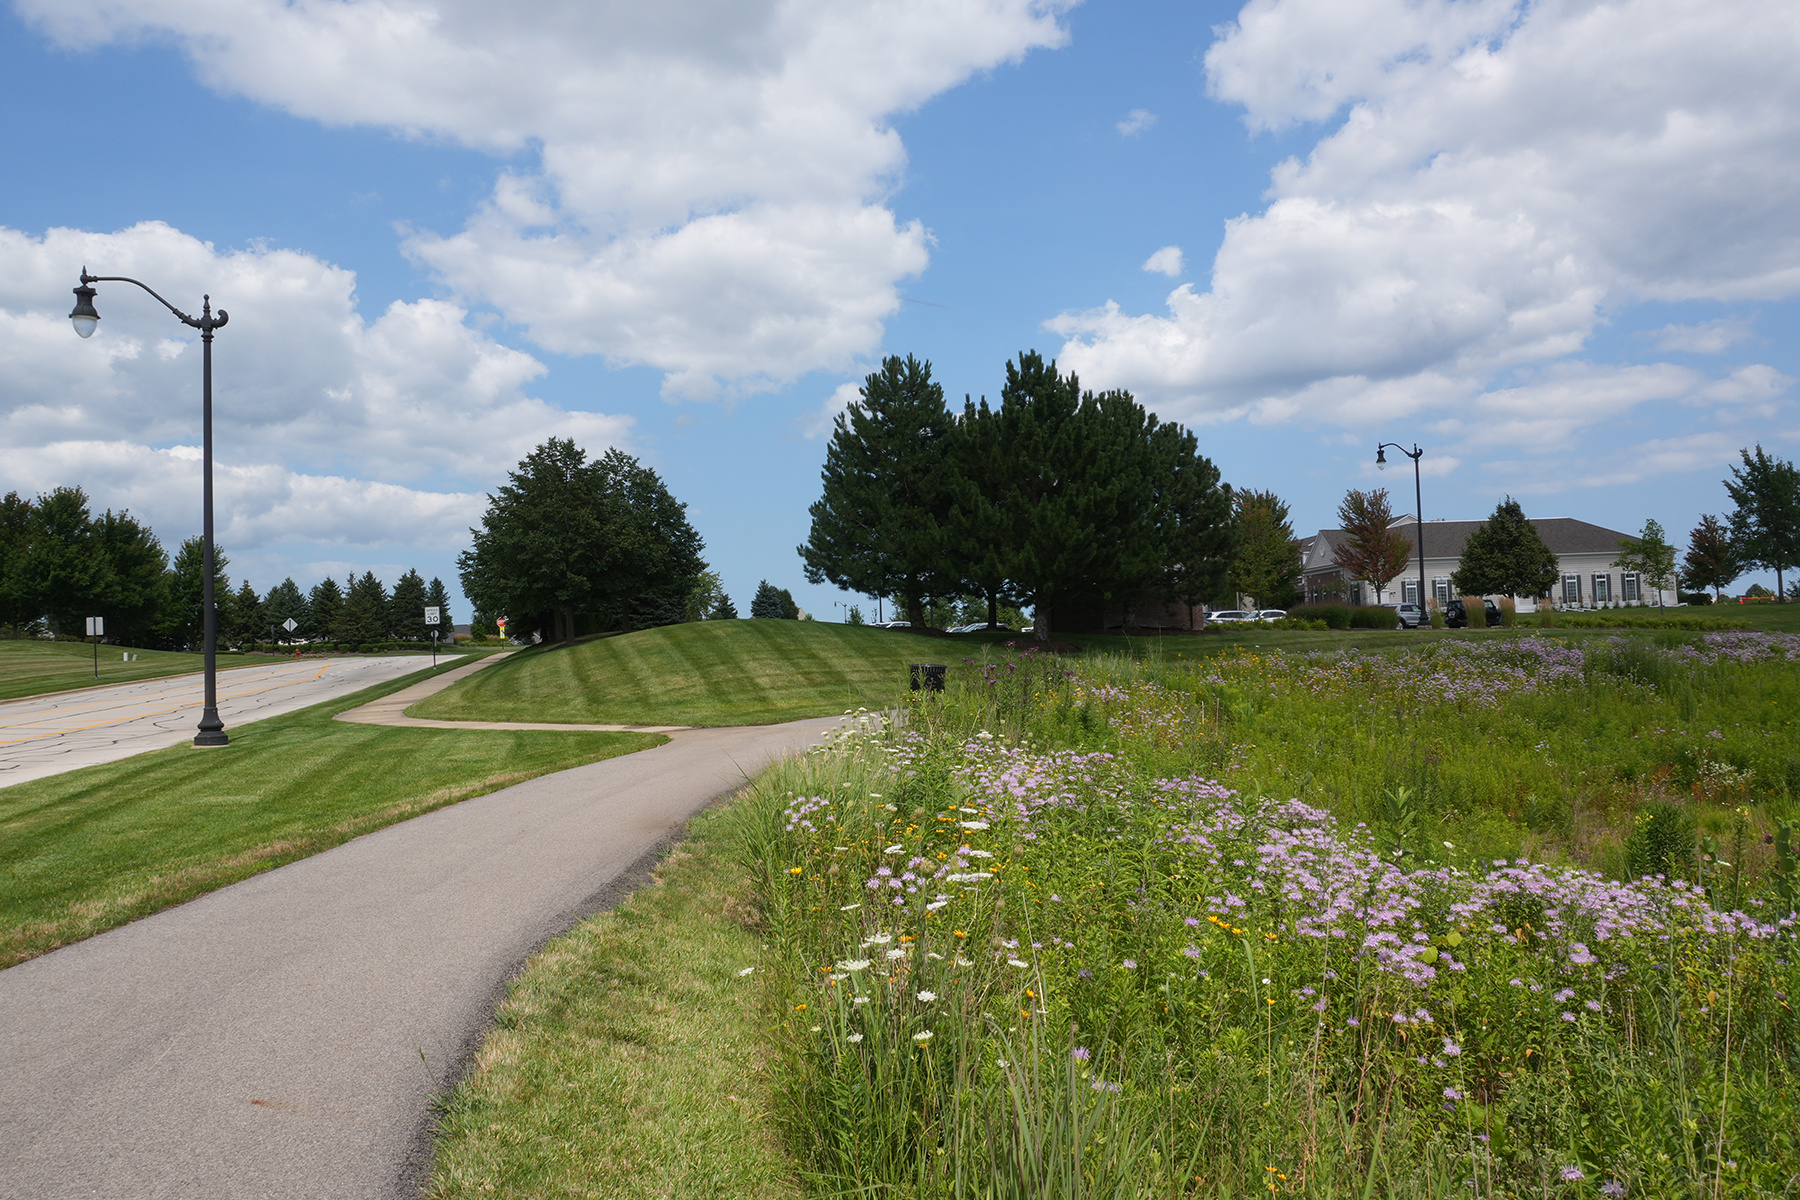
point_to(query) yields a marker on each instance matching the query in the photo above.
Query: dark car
(1456, 616)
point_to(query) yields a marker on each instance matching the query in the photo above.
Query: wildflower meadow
(1290, 925)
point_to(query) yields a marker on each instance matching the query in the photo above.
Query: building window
(1602, 589)
(1571, 589)
(1356, 595)
(1409, 591)
(1628, 587)
(1440, 587)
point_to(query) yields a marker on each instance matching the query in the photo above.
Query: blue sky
(1553, 243)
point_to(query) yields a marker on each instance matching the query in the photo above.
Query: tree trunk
(1040, 620)
(993, 609)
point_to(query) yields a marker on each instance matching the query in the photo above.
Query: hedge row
(1347, 616)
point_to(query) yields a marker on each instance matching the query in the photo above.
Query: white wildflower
(745, 972)
(854, 964)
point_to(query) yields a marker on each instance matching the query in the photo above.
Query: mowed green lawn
(748, 672)
(87, 850)
(29, 667)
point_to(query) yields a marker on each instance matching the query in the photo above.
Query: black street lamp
(1381, 464)
(85, 319)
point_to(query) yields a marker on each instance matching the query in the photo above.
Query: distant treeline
(60, 564)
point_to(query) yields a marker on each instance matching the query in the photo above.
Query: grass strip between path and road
(627, 1060)
(95, 848)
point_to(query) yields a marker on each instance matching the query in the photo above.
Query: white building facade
(1586, 578)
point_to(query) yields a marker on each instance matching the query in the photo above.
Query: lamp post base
(212, 731)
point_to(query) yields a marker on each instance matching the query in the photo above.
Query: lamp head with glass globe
(84, 316)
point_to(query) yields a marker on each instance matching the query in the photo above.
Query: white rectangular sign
(96, 626)
(432, 613)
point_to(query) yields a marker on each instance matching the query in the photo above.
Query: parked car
(1410, 616)
(894, 625)
(978, 627)
(1230, 616)
(1456, 616)
(1271, 614)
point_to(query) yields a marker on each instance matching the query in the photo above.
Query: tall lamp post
(86, 319)
(1381, 464)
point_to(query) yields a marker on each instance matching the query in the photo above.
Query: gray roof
(1445, 539)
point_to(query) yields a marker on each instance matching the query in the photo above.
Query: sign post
(96, 627)
(433, 614)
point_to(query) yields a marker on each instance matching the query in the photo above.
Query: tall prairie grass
(1142, 929)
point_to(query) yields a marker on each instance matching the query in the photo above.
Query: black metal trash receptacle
(928, 675)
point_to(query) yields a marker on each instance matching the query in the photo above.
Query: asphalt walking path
(63, 731)
(285, 1036)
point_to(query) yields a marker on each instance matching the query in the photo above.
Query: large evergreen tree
(248, 623)
(325, 611)
(406, 609)
(1765, 525)
(773, 603)
(1268, 558)
(137, 586)
(1711, 560)
(183, 619)
(285, 601)
(18, 608)
(567, 540)
(1371, 551)
(976, 534)
(438, 596)
(1505, 556)
(878, 527)
(366, 610)
(67, 569)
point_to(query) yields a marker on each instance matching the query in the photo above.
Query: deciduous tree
(136, 578)
(1765, 525)
(1711, 559)
(17, 607)
(1505, 556)
(1650, 555)
(1268, 557)
(1372, 550)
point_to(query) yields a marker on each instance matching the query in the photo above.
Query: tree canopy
(1711, 560)
(1371, 550)
(1505, 556)
(1268, 558)
(1650, 555)
(570, 545)
(878, 526)
(1765, 525)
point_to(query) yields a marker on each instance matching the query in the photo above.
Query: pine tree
(136, 585)
(366, 610)
(183, 618)
(324, 611)
(1765, 525)
(1268, 558)
(285, 601)
(247, 619)
(66, 568)
(1372, 551)
(976, 531)
(406, 609)
(17, 609)
(878, 527)
(767, 604)
(438, 596)
(1505, 556)
(1650, 555)
(724, 610)
(1711, 560)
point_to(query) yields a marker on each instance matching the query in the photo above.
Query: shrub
(1373, 616)
(1335, 616)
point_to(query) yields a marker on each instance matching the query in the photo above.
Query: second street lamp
(86, 319)
(1418, 510)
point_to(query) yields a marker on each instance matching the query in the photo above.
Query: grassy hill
(750, 672)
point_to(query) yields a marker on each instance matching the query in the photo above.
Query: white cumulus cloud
(1496, 179)
(1136, 121)
(1167, 261)
(329, 427)
(709, 191)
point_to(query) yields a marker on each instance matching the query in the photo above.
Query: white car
(1230, 616)
(1271, 614)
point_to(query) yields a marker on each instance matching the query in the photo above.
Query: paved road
(46, 735)
(283, 1037)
